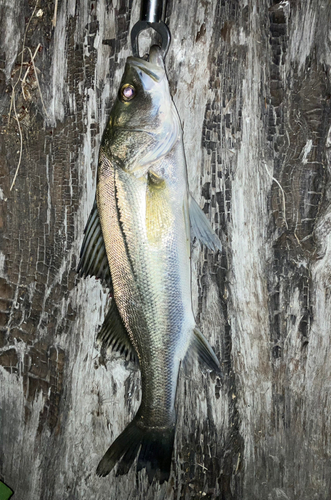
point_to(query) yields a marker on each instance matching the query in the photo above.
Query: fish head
(144, 103)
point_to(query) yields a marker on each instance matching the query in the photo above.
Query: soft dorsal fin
(93, 257)
(199, 345)
(113, 334)
(201, 228)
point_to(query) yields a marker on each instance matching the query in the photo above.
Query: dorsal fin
(113, 334)
(93, 257)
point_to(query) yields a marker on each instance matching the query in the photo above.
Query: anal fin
(200, 346)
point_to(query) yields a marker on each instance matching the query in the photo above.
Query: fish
(138, 242)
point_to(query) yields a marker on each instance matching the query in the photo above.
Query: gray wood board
(251, 81)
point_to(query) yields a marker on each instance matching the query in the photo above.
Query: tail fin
(156, 445)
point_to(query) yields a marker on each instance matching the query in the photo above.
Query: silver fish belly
(147, 218)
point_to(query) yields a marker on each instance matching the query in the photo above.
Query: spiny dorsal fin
(201, 228)
(113, 334)
(93, 257)
(199, 345)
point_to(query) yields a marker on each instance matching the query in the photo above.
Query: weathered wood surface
(251, 81)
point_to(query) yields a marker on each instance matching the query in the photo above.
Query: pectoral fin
(200, 346)
(113, 334)
(201, 228)
(93, 258)
(159, 217)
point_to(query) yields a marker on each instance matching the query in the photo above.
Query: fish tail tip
(101, 471)
(156, 452)
(155, 444)
(126, 443)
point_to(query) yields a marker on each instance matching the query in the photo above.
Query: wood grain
(251, 81)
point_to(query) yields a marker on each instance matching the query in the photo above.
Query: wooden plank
(251, 81)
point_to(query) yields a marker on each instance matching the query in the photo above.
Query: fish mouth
(154, 67)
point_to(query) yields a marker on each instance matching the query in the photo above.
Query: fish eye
(127, 92)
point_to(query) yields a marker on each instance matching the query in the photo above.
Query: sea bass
(138, 241)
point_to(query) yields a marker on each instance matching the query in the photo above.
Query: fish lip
(156, 72)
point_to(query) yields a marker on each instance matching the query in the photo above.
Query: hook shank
(152, 15)
(152, 11)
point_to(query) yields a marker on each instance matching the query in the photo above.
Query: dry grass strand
(281, 190)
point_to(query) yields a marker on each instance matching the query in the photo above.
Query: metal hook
(152, 14)
(152, 11)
